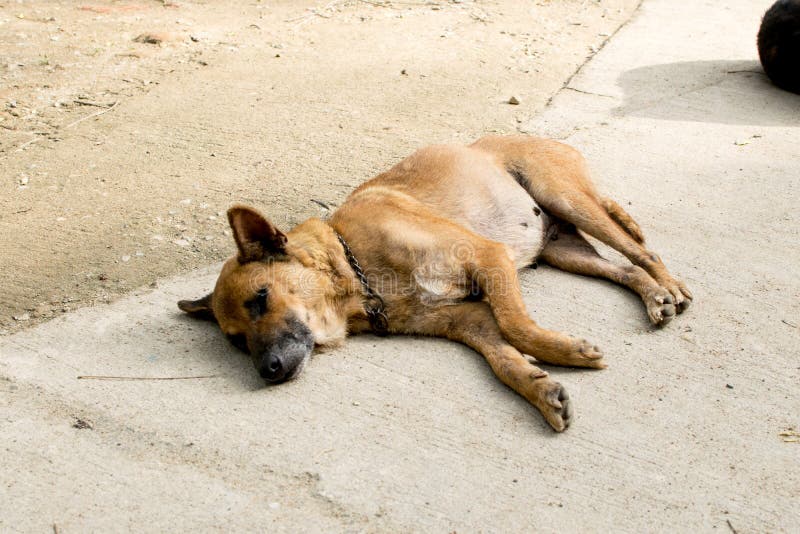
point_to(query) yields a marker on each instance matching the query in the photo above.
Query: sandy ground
(692, 428)
(118, 157)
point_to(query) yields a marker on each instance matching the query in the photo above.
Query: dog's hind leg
(572, 253)
(585, 212)
(473, 324)
(555, 175)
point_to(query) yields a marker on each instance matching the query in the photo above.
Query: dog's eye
(258, 305)
(239, 341)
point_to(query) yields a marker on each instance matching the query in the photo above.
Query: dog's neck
(341, 297)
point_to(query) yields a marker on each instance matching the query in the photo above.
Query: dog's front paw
(554, 403)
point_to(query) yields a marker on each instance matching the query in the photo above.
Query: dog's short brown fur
(440, 236)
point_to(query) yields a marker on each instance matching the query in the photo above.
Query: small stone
(181, 242)
(728, 386)
(81, 424)
(126, 258)
(274, 505)
(186, 201)
(150, 38)
(513, 101)
(21, 318)
(356, 403)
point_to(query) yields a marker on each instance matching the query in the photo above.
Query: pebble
(126, 258)
(274, 505)
(181, 242)
(21, 318)
(186, 201)
(513, 101)
(150, 38)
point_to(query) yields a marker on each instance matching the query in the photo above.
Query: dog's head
(264, 298)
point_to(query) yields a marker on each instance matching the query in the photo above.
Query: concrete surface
(681, 433)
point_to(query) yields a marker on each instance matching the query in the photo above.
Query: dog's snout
(272, 368)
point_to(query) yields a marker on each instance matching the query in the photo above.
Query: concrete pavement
(682, 432)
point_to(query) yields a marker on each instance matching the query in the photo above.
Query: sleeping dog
(432, 246)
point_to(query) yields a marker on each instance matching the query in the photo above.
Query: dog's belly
(514, 219)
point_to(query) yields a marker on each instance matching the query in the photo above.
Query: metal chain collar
(373, 304)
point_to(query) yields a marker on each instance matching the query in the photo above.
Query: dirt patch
(128, 128)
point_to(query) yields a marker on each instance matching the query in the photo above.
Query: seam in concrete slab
(634, 14)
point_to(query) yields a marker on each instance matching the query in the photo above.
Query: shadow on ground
(717, 91)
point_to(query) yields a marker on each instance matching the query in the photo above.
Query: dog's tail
(622, 218)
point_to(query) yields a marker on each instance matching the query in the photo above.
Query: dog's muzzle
(286, 356)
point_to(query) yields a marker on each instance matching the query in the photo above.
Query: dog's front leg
(496, 275)
(473, 324)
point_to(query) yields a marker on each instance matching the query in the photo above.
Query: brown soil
(128, 128)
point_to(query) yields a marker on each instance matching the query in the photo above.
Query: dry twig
(131, 378)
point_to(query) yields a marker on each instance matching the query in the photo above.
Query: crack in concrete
(144, 445)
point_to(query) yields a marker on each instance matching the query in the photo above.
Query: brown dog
(432, 247)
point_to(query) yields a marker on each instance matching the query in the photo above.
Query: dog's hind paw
(555, 404)
(660, 307)
(685, 297)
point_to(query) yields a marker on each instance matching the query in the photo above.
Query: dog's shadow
(210, 347)
(716, 91)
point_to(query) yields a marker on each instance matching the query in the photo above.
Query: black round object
(779, 44)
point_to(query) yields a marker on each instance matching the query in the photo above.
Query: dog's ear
(200, 309)
(255, 236)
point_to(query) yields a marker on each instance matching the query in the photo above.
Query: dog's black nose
(272, 368)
